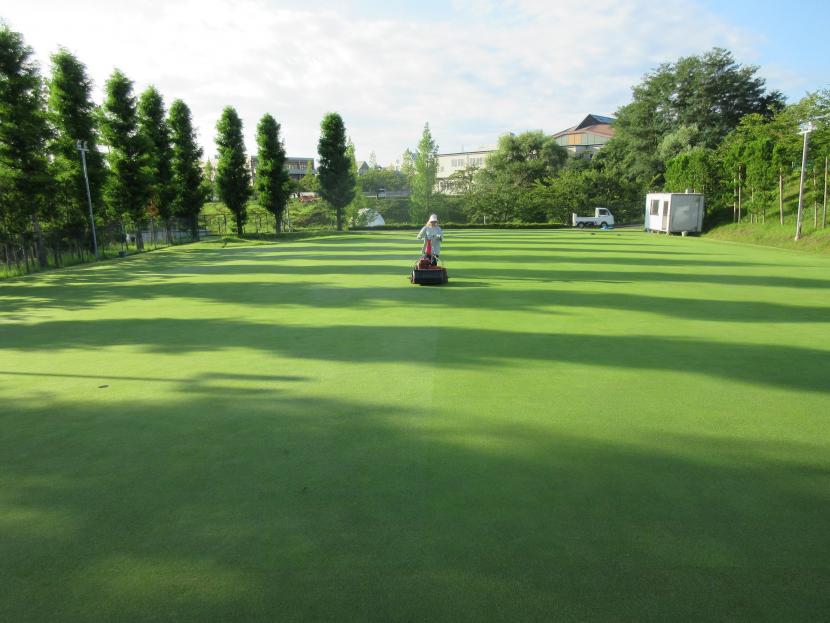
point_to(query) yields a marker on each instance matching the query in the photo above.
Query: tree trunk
(781, 195)
(139, 237)
(739, 194)
(815, 200)
(339, 219)
(240, 226)
(194, 227)
(42, 259)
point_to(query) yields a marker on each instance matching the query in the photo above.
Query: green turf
(581, 426)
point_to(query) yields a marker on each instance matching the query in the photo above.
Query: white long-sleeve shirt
(435, 234)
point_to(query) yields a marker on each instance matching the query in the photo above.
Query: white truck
(601, 218)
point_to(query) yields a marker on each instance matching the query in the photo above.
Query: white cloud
(486, 68)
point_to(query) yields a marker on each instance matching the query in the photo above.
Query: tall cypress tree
(272, 181)
(425, 171)
(25, 180)
(233, 180)
(153, 127)
(189, 189)
(73, 116)
(337, 183)
(128, 186)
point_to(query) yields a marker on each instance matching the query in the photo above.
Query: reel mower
(427, 271)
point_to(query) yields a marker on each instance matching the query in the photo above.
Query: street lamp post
(806, 128)
(82, 147)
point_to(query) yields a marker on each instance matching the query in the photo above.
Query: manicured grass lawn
(581, 426)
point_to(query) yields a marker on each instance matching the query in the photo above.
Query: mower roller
(427, 271)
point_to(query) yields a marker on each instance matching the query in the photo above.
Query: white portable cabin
(674, 212)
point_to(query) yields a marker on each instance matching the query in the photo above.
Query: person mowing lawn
(432, 232)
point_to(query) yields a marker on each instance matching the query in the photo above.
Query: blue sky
(473, 69)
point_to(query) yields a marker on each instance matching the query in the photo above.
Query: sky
(472, 69)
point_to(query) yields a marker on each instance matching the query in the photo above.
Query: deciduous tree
(128, 186)
(425, 169)
(156, 132)
(190, 189)
(72, 114)
(272, 181)
(25, 180)
(233, 180)
(337, 181)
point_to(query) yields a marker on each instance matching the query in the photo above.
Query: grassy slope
(581, 426)
(771, 233)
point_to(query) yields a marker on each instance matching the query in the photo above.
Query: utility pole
(806, 128)
(82, 147)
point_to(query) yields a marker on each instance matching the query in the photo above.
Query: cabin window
(654, 210)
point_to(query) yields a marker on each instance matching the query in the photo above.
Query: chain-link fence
(28, 252)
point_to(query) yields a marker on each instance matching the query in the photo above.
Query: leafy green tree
(72, 114)
(190, 188)
(375, 179)
(272, 181)
(355, 211)
(309, 182)
(425, 172)
(128, 187)
(462, 182)
(25, 179)
(520, 160)
(711, 92)
(696, 169)
(156, 132)
(408, 166)
(209, 174)
(233, 180)
(517, 164)
(581, 190)
(336, 178)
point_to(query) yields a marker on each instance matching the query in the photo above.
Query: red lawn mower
(427, 271)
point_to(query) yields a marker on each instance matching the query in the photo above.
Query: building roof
(602, 130)
(595, 120)
(483, 150)
(592, 123)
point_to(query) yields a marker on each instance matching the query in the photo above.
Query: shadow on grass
(765, 365)
(468, 289)
(270, 506)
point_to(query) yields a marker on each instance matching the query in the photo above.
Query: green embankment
(773, 234)
(580, 426)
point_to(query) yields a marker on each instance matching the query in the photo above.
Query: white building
(458, 161)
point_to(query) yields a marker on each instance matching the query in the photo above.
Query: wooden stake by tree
(781, 195)
(824, 209)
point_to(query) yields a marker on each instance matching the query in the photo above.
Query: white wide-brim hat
(433, 218)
